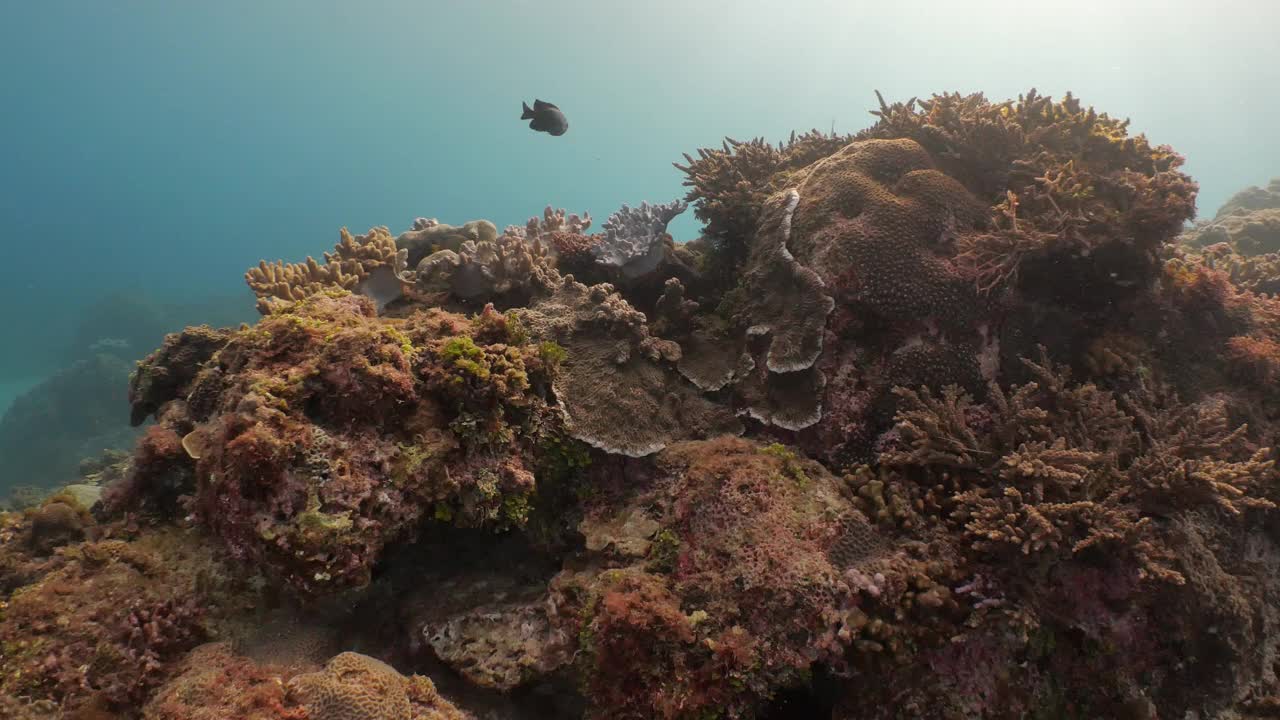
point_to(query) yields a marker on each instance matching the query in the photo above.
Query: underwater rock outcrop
(938, 420)
(323, 433)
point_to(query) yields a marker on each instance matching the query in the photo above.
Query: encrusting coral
(940, 420)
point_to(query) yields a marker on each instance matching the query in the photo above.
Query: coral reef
(1249, 223)
(323, 433)
(942, 419)
(727, 591)
(214, 683)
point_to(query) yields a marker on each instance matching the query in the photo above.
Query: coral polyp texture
(956, 417)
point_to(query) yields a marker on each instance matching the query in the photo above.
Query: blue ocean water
(161, 148)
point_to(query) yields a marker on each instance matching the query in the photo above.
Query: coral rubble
(943, 419)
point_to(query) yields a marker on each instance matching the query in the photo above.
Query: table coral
(1010, 448)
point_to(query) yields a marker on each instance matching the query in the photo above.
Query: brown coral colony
(943, 419)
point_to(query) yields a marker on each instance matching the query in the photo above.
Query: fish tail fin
(528, 111)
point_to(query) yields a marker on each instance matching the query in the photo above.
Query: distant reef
(79, 408)
(74, 414)
(952, 418)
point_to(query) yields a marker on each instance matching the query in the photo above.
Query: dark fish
(545, 117)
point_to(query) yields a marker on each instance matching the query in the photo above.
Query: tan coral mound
(358, 687)
(355, 261)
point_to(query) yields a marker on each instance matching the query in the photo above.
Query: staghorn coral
(357, 687)
(369, 264)
(1065, 182)
(729, 185)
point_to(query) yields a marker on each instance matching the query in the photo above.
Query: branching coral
(634, 238)
(548, 490)
(1077, 182)
(729, 186)
(369, 264)
(509, 265)
(554, 221)
(1060, 467)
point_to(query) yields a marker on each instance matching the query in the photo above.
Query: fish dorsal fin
(542, 105)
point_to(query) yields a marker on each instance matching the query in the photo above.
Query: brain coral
(358, 687)
(929, 248)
